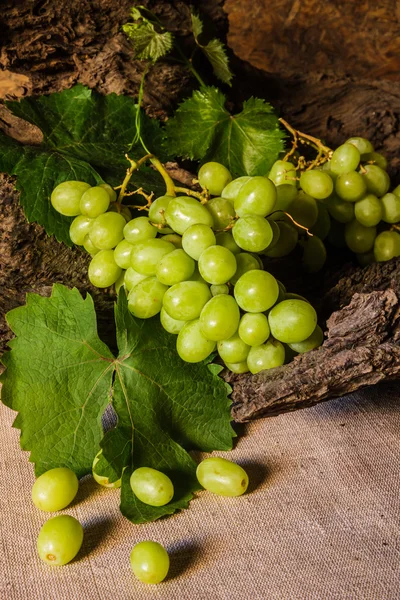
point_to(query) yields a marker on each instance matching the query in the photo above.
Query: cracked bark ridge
(362, 348)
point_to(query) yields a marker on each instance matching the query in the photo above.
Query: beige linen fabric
(321, 521)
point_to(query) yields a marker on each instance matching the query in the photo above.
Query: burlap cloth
(321, 520)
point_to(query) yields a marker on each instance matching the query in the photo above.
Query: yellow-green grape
(132, 278)
(216, 290)
(351, 186)
(222, 211)
(231, 190)
(183, 211)
(254, 329)
(387, 246)
(292, 321)
(146, 297)
(66, 197)
(345, 158)
(55, 489)
(222, 477)
(377, 180)
(317, 184)
(157, 212)
(266, 356)
(94, 202)
(215, 177)
(122, 210)
(101, 480)
(368, 211)
(390, 208)
(358, 237)
(122, 254)
(362, 144)
(283, 173)
(103, 270)
(339, 209)
(276, 234)
(256, 291)
(257, 197)
(233, 350)
(217, 265)
(314, 341)
(107, 230)
(304, 210)
(60, 540)
(225, 239)
(375, 158)
(120, 282)
(171, 325)
(192, 346)
(239, 368)
(174, 267)
(139, 230)
(184, 301)
(219, 318)
(149, 562)
(252, 233)
(110, 191)
(287, 242)
(173, 238)
(245, 262)
(146, 255)
(196, 239)
(151, 486)
(79, 229)
(89, 246)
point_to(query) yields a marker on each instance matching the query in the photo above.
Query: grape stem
(135, 165)
(169, 184)
(324, 153)
(203, 196)
(305, 229)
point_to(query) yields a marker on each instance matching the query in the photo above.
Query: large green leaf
(247, 143)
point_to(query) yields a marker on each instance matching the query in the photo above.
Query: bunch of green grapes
(198, 265)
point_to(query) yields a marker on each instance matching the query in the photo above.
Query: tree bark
(49, 45)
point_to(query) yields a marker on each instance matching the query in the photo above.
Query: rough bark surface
(49, 45)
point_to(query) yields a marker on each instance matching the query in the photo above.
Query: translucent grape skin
(146, 298)
(233, 350)
(182, 212)
(287, 241)
(152, 486)
(252, 233)
(292, 321)
(254, 329)
(174, 239)
(390, 208)
(146, 255)
(222, 477)
(157, 210)
(132, 278)
(174, 267)
(94, 202)
(149, 562)
(60, 540)
(214, 176)
(184, 301)
(139, 230)
(256, 197)
(283, 173)
(317, 184)
(256, 291)
(219, 318)
(376, 179)
(314, 254)
(339, 209)
(196, 239)
(191, 344)
(231, 190)
(240, 367)
(100, 479)
(313, 341)
(110, 191)
(107, 230)
(368, 211)
(55, 489)
(103, 270)
(217, 265)
(351, 186)
(222, 212)
(266, 356)
(66, 197)
(285, 196)
(375, 158)
(304, 210)
(216, 290)
(362, 144)
(245, 262)
(322, 225)
(345, 158)
(79, 229)
(122, 254)
(359, 238)
(89, 246)
(386, 246)
(171, 325)
(225, 239)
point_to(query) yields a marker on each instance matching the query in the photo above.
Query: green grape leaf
(85, 137)
(214, 50)
(247, 143)
(58, 377)
(146, 40)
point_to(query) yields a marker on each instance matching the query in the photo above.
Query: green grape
(157, 212)
(112, 194)
(231, 190)
(196, 239)
(266, 356)
(257, 258)
(396, 191)
(240, 367)
(149, 562)
(191, 344)
(222, 477)
(252, 233)
(197, 277)
(94, 202)
(245, 262)
(151, 486)
(336, 235)
(174, 239)
(60, 540)
(139, 230)
(376, 179)
(184, 301)
(368, 211)
(376, 158)
(256, 197)
(390, 208)
(362, 144)
(359, 238)
(175, 267)
(285, 196)
(217, 265)
(292, 321)
(182, 212)
(146, 255)
(100, 479)
(89, 246)
(103, 270)
(283, 173)
(387, 246)
(216, 290)
(79, 229)
(55, 489)
(107, 230)
(256, 291)
(123, 210)
(146, 298)
(317, 184)
(345, 158)
(281, 295)
(276, 232)
(304, 210)
(120, 282)
(215, 177)
(339, 209)
(225, 239)
(322, 225)
(222, 212)
(122, 254)
(254, 329)
(314, 254)
(366, 258)
(66, 197)
(351, 186)
(287, 241)
(219, 318)
(171, 325)
(233, 349)
(314, 341)
(132, 278)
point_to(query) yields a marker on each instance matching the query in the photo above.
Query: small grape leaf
(146, 40)
(58, 377)
(247, 143)
(165, 407)
(214, 51)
